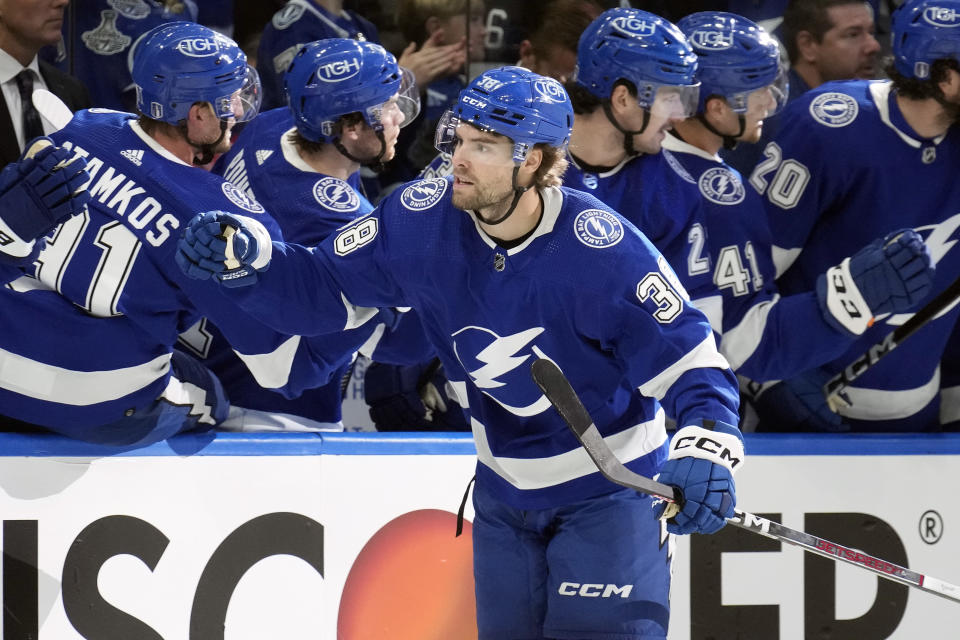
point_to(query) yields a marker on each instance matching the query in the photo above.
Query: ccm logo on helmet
(338, 70)
(634, 26)
(198, 47)
(594, 590)
(713, 40)
(708, 445)
(941, 16)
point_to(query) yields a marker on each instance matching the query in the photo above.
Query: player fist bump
(889, 275)
(701, 464)
(229, 247)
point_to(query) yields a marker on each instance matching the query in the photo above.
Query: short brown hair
(412, 15)
(313, 146)
(562, 24)
(917, 89)
(810, 16)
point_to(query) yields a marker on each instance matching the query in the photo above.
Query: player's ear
(950, 85)
(620, 98)
(715, 108)
(533, 160)
(527, 56)
(807, 46)
(200, 111)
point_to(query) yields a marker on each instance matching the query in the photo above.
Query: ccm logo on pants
(594, 590)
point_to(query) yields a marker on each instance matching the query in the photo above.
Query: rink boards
(251, 537)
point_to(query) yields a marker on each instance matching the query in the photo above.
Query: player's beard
(484, 197)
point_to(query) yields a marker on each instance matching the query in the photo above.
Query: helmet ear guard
(178, 64)
(925, 31)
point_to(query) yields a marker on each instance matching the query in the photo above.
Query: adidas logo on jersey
(263, 154)
(133, 155)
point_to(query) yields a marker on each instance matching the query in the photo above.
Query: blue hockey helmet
(177, 64)
(643, 48)
(925, 31)
(331, 78)
(737, 59)
(514, 102)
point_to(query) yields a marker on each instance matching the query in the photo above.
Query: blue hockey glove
(889, 275)
(701, 464)
(798, 404)
(39, 191)
(231, 248)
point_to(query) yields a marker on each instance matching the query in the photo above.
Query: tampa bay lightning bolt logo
(335, 194)
(598, 228)
(499, 366)
(720, 185)
(424, 194)
(834, 109)
(241, 199)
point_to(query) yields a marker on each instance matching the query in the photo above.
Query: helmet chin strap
(376, 163)
(729, 142)
(517, 193)
(206, 149)
(627, 135)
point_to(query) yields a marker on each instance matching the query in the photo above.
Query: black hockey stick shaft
(833, 389)
(564, 399)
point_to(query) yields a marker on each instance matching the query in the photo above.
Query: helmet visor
(244, 103)
(765, 101)
(401, 108)
(474, 144)
(670, 101)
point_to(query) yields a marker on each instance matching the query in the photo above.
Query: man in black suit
(25, 27)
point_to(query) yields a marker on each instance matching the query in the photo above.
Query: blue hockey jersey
(846, 168)
(296, 24)
(88, 338)
(586, 290)
(762, 335)
(308, 207)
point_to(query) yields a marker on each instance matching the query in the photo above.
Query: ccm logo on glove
(706, 442)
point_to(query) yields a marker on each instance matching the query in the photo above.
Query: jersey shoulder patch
(335, 194)
(721, 186)
(289, 14)
(423, 194)
(834, 109)
(597, 228)
(240, 198)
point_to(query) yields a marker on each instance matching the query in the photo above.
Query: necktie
(32, 127)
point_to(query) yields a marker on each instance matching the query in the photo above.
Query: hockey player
(634, 81)
(348, 100)
(42, 189)
(86, 343)
(505, 266)
(765, 336)
(851, 163)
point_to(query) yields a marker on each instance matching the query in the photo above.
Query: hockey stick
(833, 389)
(564, 399)
(51, 108)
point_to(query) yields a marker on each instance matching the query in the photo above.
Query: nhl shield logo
(590, 180)
(720, 185)
(424, 194)
(598, 228)
(336, 195)
(241, 199)
(834, 109)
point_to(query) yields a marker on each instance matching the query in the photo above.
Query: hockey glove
(43, 188)
(889, 275)
(231, 248)
(701, 464)
(798, 404)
